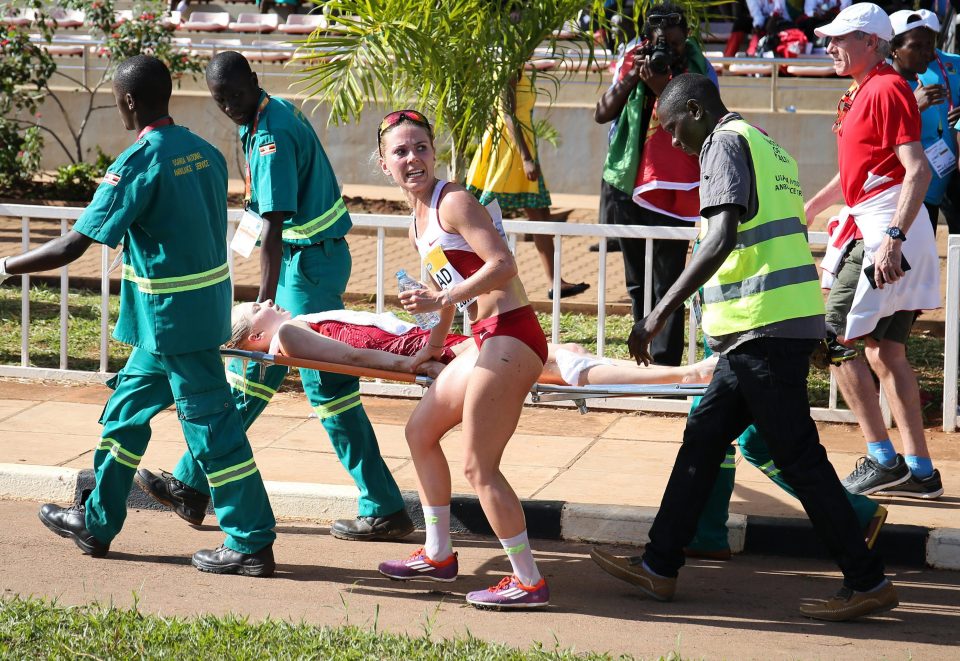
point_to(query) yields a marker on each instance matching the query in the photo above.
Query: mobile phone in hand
(871, 271)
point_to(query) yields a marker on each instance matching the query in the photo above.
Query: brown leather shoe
(848, 604)
(632, 571)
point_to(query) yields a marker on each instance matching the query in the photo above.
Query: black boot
(367, 528)
(189, 504)
(70, 522)
(222, 560)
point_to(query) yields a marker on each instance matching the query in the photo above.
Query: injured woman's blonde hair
(240, 328)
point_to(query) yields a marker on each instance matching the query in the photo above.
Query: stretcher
(539, 393)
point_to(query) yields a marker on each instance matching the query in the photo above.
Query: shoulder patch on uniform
(269, 148)
(111, 178)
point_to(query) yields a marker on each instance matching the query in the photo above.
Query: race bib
(247, 234)
(941, 158)
(443, 273)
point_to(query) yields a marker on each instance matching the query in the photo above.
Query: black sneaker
(870, 476)
(188, 503)
(929, 488)
(369, 528)
(222, 560)
(70, 522)
(838, 353)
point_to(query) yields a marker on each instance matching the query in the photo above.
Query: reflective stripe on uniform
(252, 388)
(729, 461)
(769, 469)
(177, 283)
(122, 456)
(338, 406)
(770, 230)
(317, 225)
(760, 283)
(232, 474)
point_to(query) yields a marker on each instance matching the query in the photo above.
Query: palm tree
(450, 58)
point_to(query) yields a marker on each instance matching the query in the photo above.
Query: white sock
(438, 546)
(521, 558)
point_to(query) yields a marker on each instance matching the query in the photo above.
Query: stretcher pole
(336, 368)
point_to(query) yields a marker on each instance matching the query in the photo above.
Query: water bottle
(425, 320)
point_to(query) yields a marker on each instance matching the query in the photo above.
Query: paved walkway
(556, 454)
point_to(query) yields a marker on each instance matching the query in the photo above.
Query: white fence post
(951, 334)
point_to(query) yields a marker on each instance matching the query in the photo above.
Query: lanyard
(946, 82)
(846, 101)
(250, 136)
(165, 121)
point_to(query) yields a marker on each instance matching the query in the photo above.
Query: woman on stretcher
(385, 342)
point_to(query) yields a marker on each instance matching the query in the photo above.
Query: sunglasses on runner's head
(398, 116)
(664, 20)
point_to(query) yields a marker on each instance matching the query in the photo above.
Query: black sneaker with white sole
(929, 488)
(870, 476)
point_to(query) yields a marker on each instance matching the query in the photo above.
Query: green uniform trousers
(313, 279)
(712, 526)
(195, 382)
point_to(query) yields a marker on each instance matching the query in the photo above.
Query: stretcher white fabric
(539, 393)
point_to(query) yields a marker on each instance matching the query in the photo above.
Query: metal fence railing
(381, 224)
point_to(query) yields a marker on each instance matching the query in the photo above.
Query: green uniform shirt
(289, 171)
(165, 197)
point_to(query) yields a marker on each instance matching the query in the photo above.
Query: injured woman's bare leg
(571, 364)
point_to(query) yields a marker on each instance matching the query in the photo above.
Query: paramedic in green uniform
(164, 198)
(305, 265)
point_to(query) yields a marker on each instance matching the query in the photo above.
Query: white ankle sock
(521, 558)
(438, 546)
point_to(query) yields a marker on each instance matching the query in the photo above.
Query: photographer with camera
(646, 181)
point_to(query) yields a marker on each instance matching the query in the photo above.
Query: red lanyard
(250, 136)
(946, 81)
(166, 121)
(846, 101)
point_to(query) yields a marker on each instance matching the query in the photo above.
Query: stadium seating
(267, 51)
(65, 18)
(260, 23)
(303, 23)
(16, 16)
(206, 21)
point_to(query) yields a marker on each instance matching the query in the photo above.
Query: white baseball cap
(922, 18)
(864, 17)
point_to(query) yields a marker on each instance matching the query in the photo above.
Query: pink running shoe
(511, 593)
(419, 566)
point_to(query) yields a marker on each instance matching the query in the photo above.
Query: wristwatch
(895, 233)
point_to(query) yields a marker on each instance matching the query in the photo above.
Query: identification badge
(247, 234)
(942, 160)
(443, 273)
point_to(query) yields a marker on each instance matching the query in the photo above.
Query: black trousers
(669, 259)
(764, 382)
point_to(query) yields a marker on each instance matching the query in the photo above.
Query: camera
(659, 56)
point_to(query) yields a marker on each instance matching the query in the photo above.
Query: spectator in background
(934, 77)
(817, 13)
(506, 167)
(636, 170)
(762, 15)
(282, 8)
(883, 178)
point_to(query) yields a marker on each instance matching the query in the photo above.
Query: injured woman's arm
(298, 340)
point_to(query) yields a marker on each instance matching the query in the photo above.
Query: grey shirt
(727, 177)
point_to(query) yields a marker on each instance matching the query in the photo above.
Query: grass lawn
(926, 352)
(34, 629)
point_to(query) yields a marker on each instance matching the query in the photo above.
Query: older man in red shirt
(884, 279)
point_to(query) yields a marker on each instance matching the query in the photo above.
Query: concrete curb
(546, 519)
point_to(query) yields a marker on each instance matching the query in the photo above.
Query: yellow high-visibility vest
(770, 275)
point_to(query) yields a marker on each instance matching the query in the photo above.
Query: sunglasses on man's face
(398, 116)
(664, 20)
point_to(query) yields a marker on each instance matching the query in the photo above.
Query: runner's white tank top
(454, 246)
